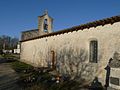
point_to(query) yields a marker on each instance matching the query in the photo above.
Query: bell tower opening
(45, 23)
(45, 26)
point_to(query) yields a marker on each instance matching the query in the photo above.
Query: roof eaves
(103, 22)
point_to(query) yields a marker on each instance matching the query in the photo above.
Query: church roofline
(102, 22)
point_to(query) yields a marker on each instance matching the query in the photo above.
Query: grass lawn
(1, 56)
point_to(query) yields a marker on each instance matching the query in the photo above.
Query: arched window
(45, 26)
(93, 51)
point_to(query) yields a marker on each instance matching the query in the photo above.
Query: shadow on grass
(32, 78)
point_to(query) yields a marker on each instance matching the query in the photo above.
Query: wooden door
(53, 59)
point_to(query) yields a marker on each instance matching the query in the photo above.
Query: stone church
(79, 51)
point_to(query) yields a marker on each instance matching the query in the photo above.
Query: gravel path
(8, 77)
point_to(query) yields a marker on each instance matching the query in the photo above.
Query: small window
(45, 26)
(93, 51)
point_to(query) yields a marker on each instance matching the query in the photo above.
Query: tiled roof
(102, 22)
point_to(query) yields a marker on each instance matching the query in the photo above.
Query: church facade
(80, 51)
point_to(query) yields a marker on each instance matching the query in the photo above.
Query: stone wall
(29, 34)
(41, 24)
(72, 51)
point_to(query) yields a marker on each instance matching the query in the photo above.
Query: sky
(21, 15)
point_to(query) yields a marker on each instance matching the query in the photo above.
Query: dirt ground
(8, 77)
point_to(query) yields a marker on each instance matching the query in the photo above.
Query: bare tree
(7, 42)
(75, 64)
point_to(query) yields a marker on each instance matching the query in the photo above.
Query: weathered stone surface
(41, 24)
(29, 34)
(68, 46)
(115, 63)
(72, 48)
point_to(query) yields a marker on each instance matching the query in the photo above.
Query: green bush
(20, 66)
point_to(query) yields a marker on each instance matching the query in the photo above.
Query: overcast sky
(21, 15)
